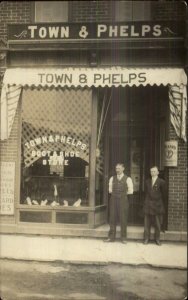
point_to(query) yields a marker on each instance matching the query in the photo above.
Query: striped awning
(16, 78)
(88, 77)
(9, 101)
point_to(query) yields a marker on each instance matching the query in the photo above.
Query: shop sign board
(7, 177)
(81, 77)
(69, 32)
(171, 154)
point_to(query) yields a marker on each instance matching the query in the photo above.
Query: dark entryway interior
(136, 128)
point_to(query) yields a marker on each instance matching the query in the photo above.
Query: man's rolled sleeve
(129, 186)
(110, 185)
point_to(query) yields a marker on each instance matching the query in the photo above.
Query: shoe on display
(54, 203)
(35, 202)
(65, 203)
(77, 203)
(44, 202)
(28, 200)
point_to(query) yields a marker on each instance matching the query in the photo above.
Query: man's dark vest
(119, 187)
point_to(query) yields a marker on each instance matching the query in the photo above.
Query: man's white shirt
(129, 184)
(154, 178)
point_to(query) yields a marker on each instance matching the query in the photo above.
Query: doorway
(135, 130)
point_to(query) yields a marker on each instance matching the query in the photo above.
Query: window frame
(89, 210)
(33, 13)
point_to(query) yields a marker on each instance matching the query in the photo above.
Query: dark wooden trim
(98, 45)
(18, 164)
(92, 163)
(168, 123)
(34, 208)
(106, 160)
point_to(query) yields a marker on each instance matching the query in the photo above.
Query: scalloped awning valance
(17, 78)
(88, 77)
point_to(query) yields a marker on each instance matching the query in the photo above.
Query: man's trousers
(147, 226)
(119, 208)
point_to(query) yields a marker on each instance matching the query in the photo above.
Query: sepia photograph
(93, 150)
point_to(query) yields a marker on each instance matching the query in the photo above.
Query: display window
(55, 147)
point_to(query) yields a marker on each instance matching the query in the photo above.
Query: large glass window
(51, 11)
(132, 11)
(56, 134)
(118, 11)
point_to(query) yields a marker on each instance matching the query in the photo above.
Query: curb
(97, 263)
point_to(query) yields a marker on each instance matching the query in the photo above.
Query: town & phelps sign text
(94, 31)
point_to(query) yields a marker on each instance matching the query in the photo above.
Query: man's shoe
(158, 242)
(124, 241)
(109, 240)
(146, 242)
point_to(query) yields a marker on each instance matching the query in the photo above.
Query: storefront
(73, 124)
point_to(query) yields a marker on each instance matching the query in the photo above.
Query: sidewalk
(92, 251)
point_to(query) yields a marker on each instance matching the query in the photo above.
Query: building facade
(87, 84)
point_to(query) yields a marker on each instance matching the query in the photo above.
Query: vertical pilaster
(92, 168)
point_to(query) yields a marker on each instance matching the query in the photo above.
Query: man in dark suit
(155, 195)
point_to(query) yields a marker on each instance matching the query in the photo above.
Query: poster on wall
(171, 154)
(7, 175)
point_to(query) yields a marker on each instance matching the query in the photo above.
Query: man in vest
(120, 188)
(155, 196)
